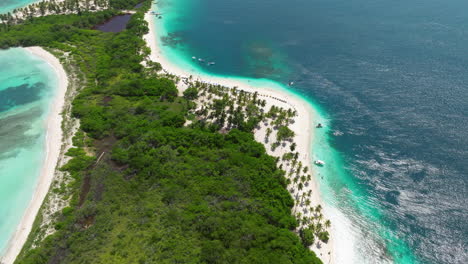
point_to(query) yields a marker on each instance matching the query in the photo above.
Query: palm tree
(320, 217)
(311, 209)
(303, 179)
(318, 209)
(318, 227)
(312, 227)
(327, 223)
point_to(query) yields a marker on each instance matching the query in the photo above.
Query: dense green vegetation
(160, 192)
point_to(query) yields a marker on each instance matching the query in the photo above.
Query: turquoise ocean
(388, 78)
(27, 87)
(9, 5)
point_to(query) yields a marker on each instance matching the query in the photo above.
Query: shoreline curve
(53, 144)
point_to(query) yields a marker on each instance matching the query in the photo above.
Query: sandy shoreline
(52, 148)
(304, 125)
(20, 11)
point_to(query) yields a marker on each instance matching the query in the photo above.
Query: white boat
(319, 162)
(194, 58)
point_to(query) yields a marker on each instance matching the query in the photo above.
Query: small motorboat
(211, 63)
(319, 162)
(201, 60)
(194, 58)
(291, 83)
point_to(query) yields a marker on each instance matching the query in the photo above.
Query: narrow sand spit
(303, 126)
(52, 151)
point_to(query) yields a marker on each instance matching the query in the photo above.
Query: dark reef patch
(19, 95)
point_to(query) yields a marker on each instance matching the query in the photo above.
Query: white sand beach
(303, 126)
(22, 12)
(52, 151)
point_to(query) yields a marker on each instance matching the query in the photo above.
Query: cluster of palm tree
(310, 218)
(281, 116)
(314, 223)
(227, 108)
(280, 119)
(53, 7)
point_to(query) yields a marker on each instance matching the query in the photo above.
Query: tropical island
(157, 165)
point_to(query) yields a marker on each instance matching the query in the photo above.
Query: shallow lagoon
(27, 86)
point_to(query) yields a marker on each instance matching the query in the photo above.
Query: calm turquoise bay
(390, 81)
(27, 86)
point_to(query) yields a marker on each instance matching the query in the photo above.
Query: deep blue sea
(391, 78)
